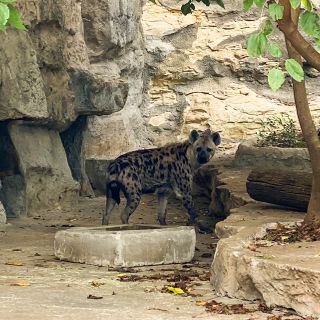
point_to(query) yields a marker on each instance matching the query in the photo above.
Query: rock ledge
(280, 275)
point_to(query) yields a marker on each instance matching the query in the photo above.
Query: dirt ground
(35, 285)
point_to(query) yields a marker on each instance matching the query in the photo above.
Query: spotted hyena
(169, 168)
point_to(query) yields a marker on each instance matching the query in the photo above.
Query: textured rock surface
(43, 165)
(57, 38)
(96, 171)
(3, 217)
(115, 41)
(249, 155)
(13, 195)
(22, 89)
(287, 275)
(77, 60)
(201, 75)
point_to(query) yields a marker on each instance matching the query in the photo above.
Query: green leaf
(206, 2)
(4, 14)
(276, 11)
(295, 3)
(153, 1)
(267, 27)
(306, 4)
(275, 78)
(259, 3)
(7, 1)
(294, 69)
(15, 19)
(256, 44)
(220, 3)
(186, 9)
(247, 4)
(275, 50)
(309, 22)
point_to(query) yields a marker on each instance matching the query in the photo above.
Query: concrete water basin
(126, 245)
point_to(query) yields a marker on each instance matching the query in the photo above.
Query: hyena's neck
(191, 158)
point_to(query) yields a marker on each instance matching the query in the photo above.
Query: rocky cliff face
(201, 75)
(89, 81)
(69, 86)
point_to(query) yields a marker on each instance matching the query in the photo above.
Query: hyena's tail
(113, 190)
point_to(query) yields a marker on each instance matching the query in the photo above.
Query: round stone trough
(126, 245)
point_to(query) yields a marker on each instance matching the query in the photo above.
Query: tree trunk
(306, 122)
(286, 188)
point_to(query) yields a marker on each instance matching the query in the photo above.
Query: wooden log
(282, 187)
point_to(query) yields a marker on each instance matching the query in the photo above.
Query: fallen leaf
(96, 284)
(91, 296)
(14, 263)
(121, 275)
(201, 303)
(284, 238)
(221, 308)
(21, 284)
(174, 290)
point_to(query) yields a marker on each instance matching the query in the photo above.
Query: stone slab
(126, 245)
(249, 155)
(44, 168)
(280, 275)
(22, 91)
(96, 94)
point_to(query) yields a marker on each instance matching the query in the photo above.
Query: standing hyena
(166, 169)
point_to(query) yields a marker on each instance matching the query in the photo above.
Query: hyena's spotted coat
(167, 169)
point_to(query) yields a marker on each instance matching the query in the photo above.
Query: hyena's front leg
(187, 202)
(183, 191)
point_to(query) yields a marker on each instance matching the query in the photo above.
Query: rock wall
(115, 42)
(89, 81)
(201, 76)
(61, 82)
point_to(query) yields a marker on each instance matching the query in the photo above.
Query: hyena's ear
(193, 136)
(216, 138)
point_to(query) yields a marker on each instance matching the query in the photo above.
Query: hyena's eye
(198, 149)
(209, 149)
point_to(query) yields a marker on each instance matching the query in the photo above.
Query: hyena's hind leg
(110, 203)
(133, 196)
(163, 195)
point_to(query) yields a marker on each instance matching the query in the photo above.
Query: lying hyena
(167, 169)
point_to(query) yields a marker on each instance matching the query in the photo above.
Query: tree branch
(291, 33)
